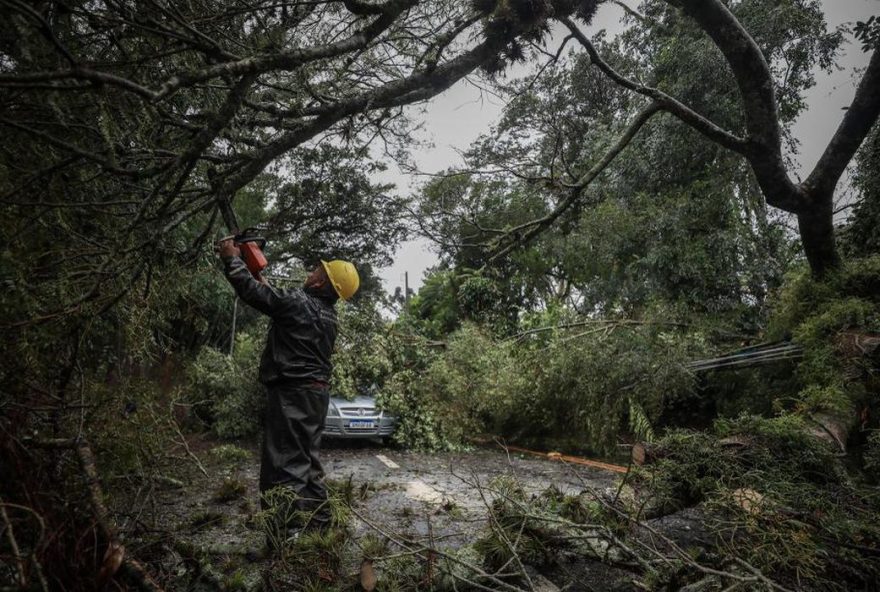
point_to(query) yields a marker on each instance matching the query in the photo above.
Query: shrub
(584, 387)
(225, 389)
(364, 356)
(605, 381)
(477, 383)
(418, 425)
(814, 313)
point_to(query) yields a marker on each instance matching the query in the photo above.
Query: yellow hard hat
(343, 276)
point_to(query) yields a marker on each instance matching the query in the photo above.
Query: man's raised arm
(255, 293)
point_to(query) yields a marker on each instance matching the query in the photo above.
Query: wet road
(445, 494)
(439, 500)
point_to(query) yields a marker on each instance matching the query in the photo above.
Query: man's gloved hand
(226, 248)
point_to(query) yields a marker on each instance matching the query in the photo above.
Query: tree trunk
(816, 226)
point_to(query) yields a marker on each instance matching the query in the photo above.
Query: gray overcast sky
(455, 118)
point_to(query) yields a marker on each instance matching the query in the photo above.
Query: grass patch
(207, 519)
(230, 490)
(229, 454)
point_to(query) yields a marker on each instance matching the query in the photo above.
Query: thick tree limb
(78, 73)
(418, 86)
(279, 62)
(812, 200)
(859, 118)
(749, 67)
(756, 87)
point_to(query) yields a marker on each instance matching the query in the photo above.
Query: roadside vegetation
(603, 236)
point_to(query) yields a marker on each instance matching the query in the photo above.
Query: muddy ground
(200, 529)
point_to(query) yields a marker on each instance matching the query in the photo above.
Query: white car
(358, 418)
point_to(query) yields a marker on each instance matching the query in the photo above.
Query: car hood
(360, 401)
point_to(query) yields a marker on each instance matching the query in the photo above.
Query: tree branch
(290, 60)
(419, 86)
(858, 121)
(537, 226)
(78, 73)
(666, 102)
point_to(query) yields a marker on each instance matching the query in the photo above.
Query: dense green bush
(580, 387)
(605, 381)
(441, 398)
(365, 348)
(224, 389)
(815, 314)
(476, 384)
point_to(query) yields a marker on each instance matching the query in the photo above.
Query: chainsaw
(250, 245)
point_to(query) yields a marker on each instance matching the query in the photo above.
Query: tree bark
(816, 227)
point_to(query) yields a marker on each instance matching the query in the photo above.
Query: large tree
(554, 197)
(759, 74)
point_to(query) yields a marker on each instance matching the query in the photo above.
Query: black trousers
(293, 425)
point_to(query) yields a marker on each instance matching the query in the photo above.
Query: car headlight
(332, 411)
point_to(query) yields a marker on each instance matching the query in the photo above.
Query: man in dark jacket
(295, 369)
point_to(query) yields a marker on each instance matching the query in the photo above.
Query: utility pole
(406, 287)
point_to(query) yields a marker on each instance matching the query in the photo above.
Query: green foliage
(868, 32)
(237, 582)
(229, 454)
(777, 497)
(326, 207)
(818, 315)
(134, 432)
(475, 384)
(435, 310)
(231, 489)
(542, 528)
(418, 423)
(861, 236)
(365, 350)
(207, 519)
(639, 423)
(225, 389)
(675, 219)
(515, 516)
(586, 384)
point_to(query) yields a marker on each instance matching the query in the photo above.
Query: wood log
(639, 454)
(644, 453)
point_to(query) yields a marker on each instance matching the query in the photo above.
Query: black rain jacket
(302, 331)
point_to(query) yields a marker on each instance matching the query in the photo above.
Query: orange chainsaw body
(253, 257)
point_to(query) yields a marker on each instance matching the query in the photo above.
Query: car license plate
(361, 423)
